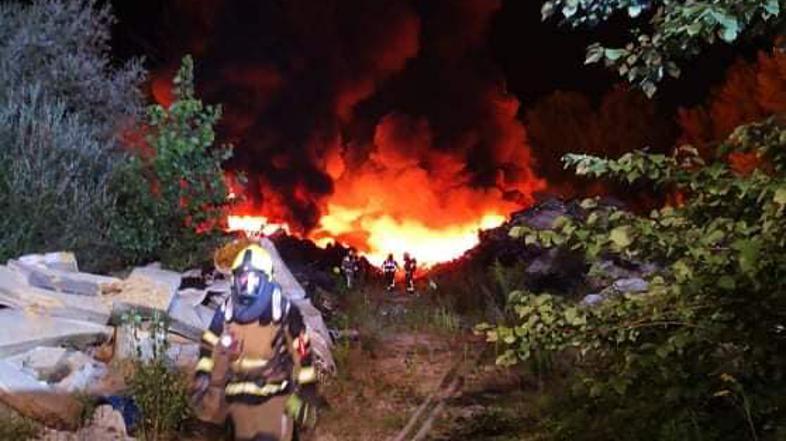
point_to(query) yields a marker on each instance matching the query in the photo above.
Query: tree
(677, 31)
(172, 204)
(701, 354)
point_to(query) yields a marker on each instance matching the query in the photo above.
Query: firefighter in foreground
(410, 265)
(350, 267)
(389, 267)
(255, 364)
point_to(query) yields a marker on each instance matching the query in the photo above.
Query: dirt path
(412, 374)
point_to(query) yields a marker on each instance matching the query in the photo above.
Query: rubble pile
(60, 328)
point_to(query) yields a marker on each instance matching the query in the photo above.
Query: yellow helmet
(253, 258)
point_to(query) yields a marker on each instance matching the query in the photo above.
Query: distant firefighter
(410, 265)
(350, 267)
(389, 268)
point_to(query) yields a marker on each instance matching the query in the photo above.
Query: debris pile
(60, 328)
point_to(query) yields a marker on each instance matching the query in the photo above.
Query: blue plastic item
(127, 407)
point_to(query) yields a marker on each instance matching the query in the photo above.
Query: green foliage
(160, 390)
(171, 205)
(701, 354)
(54, 176)
(676, 32)
(14, 427)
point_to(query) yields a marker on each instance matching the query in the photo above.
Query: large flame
(383, 235)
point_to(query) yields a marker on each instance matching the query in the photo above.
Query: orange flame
(255, 225)
(384, 235)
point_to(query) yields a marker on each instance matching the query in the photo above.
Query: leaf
(772, 7)
(780, 196)
(729, 24)
(748, 254)
(649, 88)
(620, 236)
(613, 54)
(594, 54)
(546, 11)
(726, 282)
(635, 10)
(570, 8)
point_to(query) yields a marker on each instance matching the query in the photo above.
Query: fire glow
(386, 235)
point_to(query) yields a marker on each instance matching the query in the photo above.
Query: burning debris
(333, 134)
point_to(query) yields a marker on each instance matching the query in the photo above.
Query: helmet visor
(248, 283)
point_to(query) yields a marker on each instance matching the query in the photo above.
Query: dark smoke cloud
(304, 85)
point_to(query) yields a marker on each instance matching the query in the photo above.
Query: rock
(107, 418)
(632, 285)
(141, 344)
(35, 399)
(543, 215)
(147, 289)
(183, 355)
(192, 296)
(189, 320)
(282, 275)
(543, 264)
(16, 293)
(61, 261)
(592, 299)
(45, 361)
(68, 282)
(20, 332)
(83, 379)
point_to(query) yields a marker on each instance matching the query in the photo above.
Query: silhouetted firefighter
(350, 267)
(410, 265)
(389, 267)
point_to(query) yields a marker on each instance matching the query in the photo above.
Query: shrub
(700, 355)
(54, 175)
(62, 110)
(158, 388)
(171, 205)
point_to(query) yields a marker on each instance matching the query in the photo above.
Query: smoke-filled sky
(405, 107)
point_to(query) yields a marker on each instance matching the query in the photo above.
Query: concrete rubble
(61, 329)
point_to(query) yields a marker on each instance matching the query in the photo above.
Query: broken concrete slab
(63, 281)
(45, 361)
(192, 296)
(139, 344)
(36, 400)
(20, 332)
(84, 379)
(281, 273)
(188, 320)
(146, 290)
(61, 261)
(15, 293)
(168, 280)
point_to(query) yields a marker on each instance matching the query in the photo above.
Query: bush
(14, 427)
(62, 110)
(158, 388)
(62, 46)
(54, 176)
(702, 354)
(171, 205)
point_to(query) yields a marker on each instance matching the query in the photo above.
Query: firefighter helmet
(252, 270)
